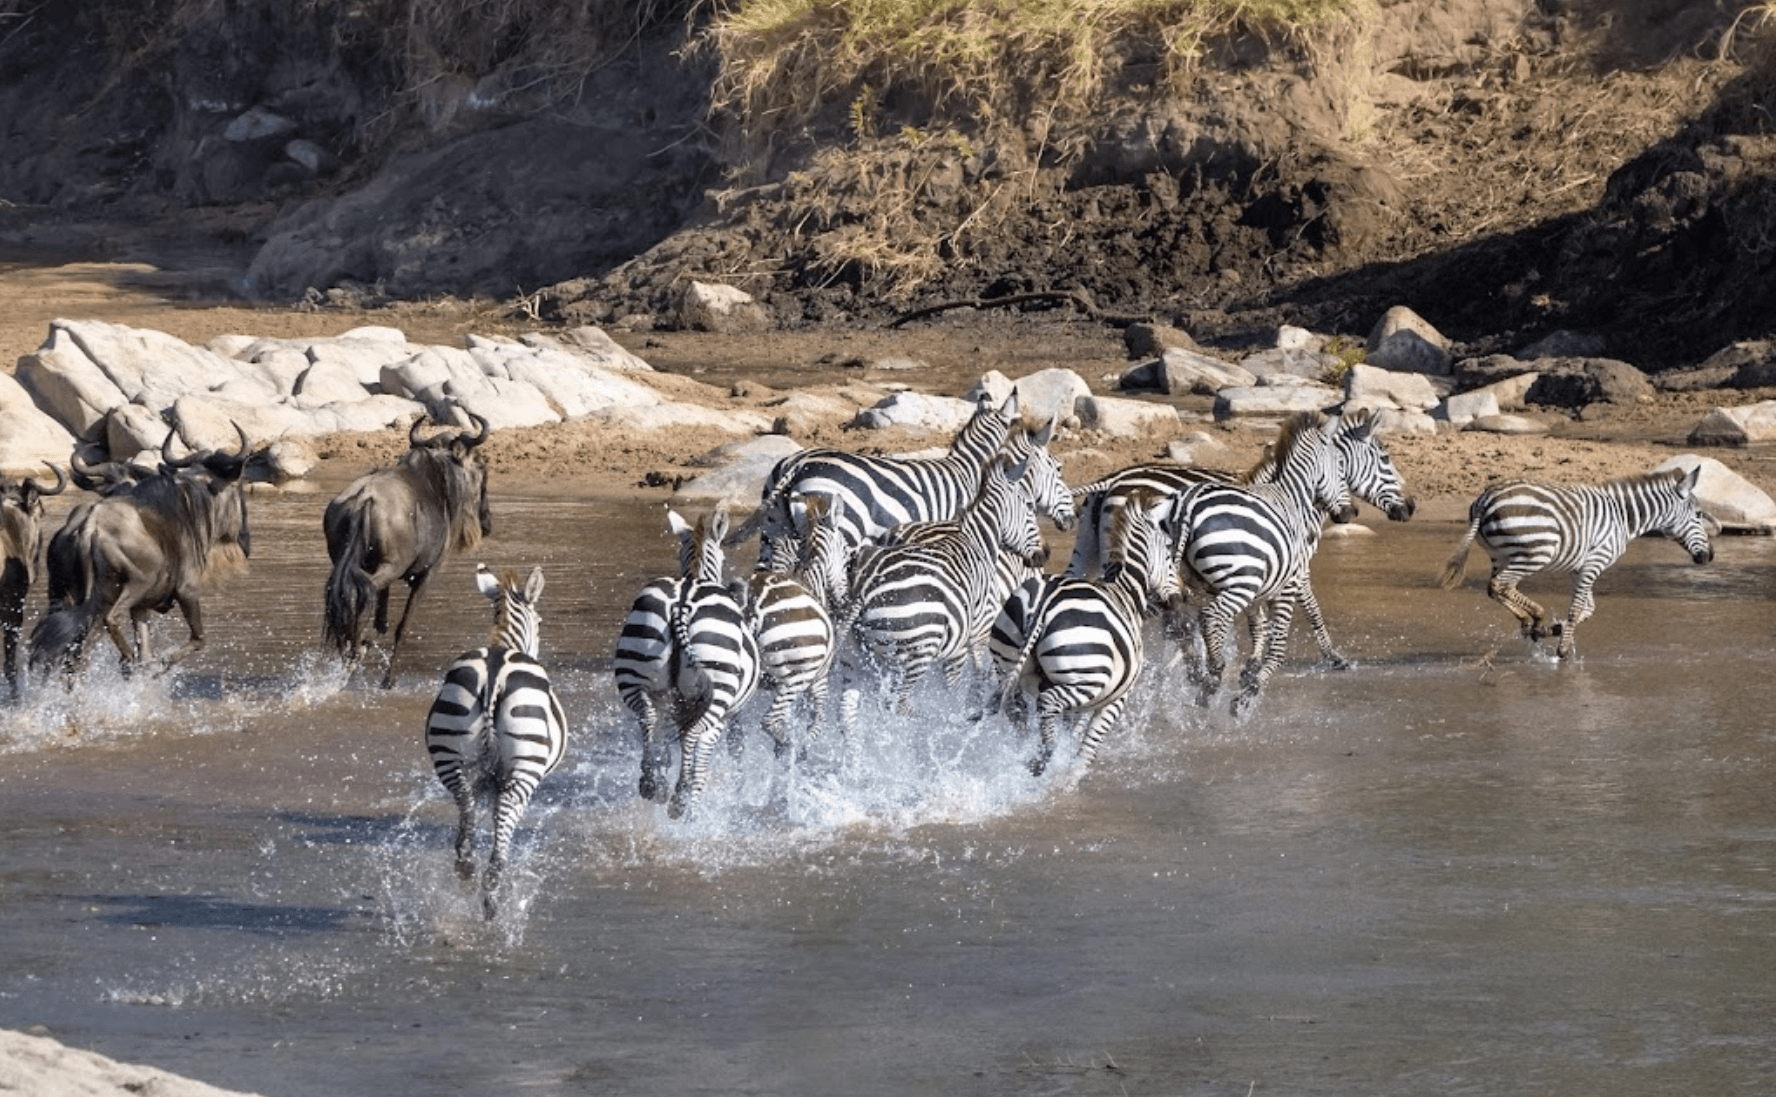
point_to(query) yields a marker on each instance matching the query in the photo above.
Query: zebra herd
(891, 567)
(886, 568)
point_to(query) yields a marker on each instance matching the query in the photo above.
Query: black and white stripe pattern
(1527, 526)
(496, 728)
(1043, 485)
(882, 492)
(918, 604)
(686, 640)
(786, 608)
(1075, 643)
(1369, 474)
(1099, 502)
(1244, 545)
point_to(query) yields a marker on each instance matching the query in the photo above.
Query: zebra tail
(1457, 567)
(349, 589)
(1031, 634)
(57, 635)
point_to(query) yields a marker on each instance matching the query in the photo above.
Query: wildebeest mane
(444, 477)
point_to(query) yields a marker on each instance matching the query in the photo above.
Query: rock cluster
(122, 388)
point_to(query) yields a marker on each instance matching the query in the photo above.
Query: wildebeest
(145, 547)
(397, 523)
(21, 542)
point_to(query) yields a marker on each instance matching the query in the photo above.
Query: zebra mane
(1295, 427)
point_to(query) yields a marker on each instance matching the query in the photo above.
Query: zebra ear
(1042, 437)
(1689, 482)
(1009, 409)
(533, 586)
(1362, 427)
(676, 524)
(486, 581)
(718, 522)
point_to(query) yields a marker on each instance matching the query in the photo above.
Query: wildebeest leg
(415, 584)
(193, 613)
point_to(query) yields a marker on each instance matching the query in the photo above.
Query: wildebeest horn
(167, 458)
(481, 424)
(61, 482)
(229, 465)
(413, 430)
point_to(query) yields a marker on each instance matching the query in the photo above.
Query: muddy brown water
(1455, 868)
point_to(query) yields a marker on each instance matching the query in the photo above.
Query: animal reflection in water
(397, 524)
(145, 546)
(496, 728)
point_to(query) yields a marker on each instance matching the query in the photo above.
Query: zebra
(1076, 643)
(1245, 546)
(1098, 503)
(687, 639)
(1043, 484)
(786, 608)
(917, 604)
(1528, 526)
(882, 492)
(1370, 475)
(496, 728)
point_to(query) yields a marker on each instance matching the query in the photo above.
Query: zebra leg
(776, 718)
(693, 773)
(1502, 588)
(647, 715)
(1583, 605)
(1217, 623)
(1316, 620)
(462, 790)
(1258, 672)
(1101, 722)
(514, 797)
(1051, 704)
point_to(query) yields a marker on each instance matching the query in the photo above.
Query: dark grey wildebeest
(397, 524)
(144, 548)
(21, 543)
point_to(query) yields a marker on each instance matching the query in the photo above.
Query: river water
(1456, 868)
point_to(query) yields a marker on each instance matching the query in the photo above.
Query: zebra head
(825, 567)
(1307, 464)
(1369, 469)
(515, 622)
(1140, 549)
(700, 555)
(1047, 490)
(1003, 515)
(1684, 522)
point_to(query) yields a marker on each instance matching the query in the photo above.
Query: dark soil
(1505, 168)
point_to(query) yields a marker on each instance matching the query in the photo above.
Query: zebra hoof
(781, 749)
(489, 907)
(465, 868)
(676, 809)
(1244, 704)
(1038, 766)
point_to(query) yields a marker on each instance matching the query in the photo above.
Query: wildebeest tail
(349, 589)
(57, 636)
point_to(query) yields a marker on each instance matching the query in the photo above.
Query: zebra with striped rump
(1042, 483)
(496, 728)
(883, 492)
(686, 640)
(1250, 546)
(917, 604)
(786, 608)
(1076, 643)
(1527, 526)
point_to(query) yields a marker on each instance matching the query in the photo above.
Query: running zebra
(496, 729)
(917, 604)
(786, 608)
(1527, 526)
(686, 640)
(1369, 474)
(1076, 643)
(881, 493)
(1250, 546)
(1043, 485)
